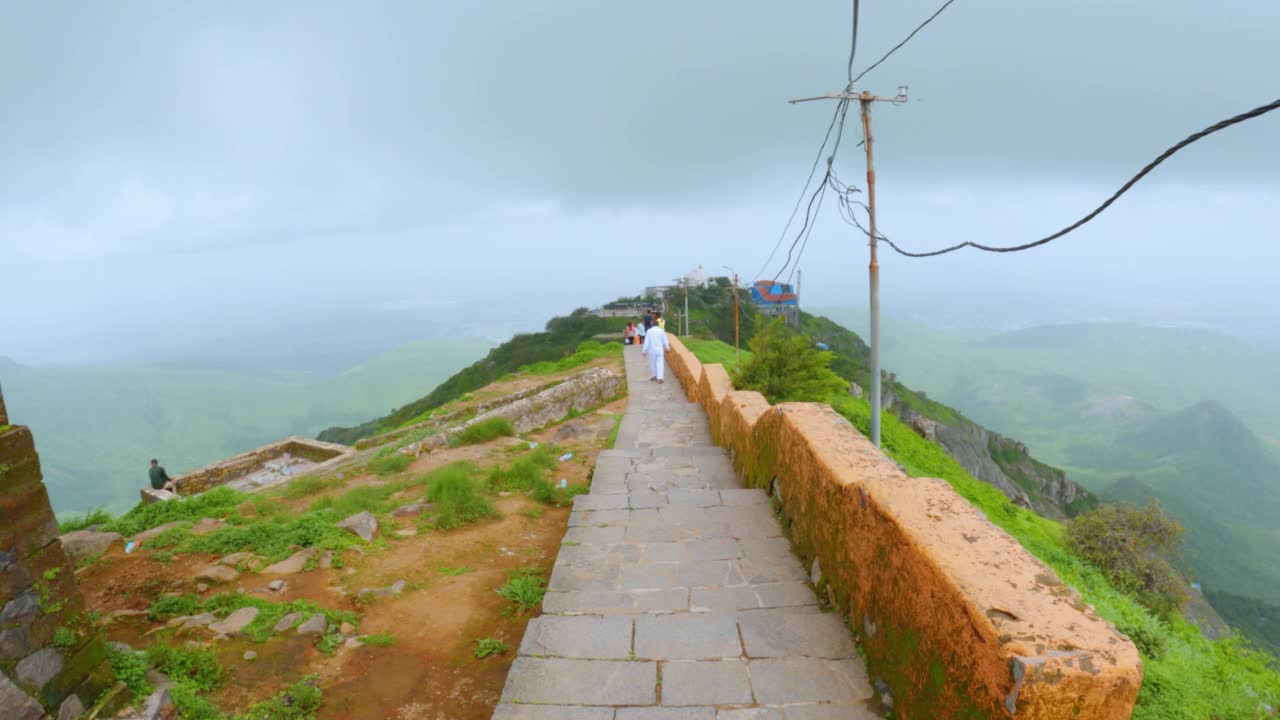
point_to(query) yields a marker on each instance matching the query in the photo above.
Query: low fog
(335, 177)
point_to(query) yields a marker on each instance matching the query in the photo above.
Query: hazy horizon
(179, 177)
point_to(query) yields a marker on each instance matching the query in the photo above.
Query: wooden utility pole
(686, 307)
(873, 268)
(736, 362)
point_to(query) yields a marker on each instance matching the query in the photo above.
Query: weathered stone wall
(224, 471)
(582, 392)
(445, 419)
(39, 599)
(956, 617)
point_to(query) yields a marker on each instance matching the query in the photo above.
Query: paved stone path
(675, 595)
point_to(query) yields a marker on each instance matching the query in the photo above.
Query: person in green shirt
(160, 479)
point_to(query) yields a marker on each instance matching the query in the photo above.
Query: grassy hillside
(1187, 676)
(1134, 413)
(96, 427)
(561, 338)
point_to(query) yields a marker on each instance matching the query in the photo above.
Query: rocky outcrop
(362, 524)
(84, 543)
(581, 392)
(1002, 462)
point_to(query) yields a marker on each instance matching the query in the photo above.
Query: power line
(853, 46)
(1193, 137)
(799, 200)
(811, 213)
(836, 117)
(905, 40)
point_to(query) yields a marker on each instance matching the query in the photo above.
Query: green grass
(96, 516)
(389, 464)
(1187, 676)
(275, 538)
(482, 432)
(528, 474)
(219, 502)
(307, 486)
(613, 434)
(524, 588)
(379, 639)
(586, 352)
(489, 646)
(716, 351)
(454, 571)
(195, 666)
(456, 497)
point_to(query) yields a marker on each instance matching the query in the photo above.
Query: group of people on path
(651, 335)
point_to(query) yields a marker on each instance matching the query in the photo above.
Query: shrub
(1131, 546)
(194, 666)
(483, 431)
(523, 473)
(489, 646)
(192, 705)
(456, 499)
(785, 366)
(96, 516)
(299, 701)
(389, 464)
(524, 587)
(131, 669)
(64, 637)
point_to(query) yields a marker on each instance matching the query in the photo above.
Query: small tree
(787, 367)
(1132, 546)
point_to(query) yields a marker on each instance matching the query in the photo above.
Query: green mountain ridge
(1134, 413)
(97, 426)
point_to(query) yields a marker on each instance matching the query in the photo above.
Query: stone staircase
(675, 595)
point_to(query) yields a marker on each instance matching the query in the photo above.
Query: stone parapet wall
(224, 471)
(582, 392)
(39, 598)
(956, 617)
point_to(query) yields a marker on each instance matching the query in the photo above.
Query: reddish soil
(429, 672)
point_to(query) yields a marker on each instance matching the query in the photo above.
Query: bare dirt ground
(429, 672)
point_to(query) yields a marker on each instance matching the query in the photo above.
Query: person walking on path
(661, 321)
(641, 328)
(160, 479)
(647, 320)
(656, 346)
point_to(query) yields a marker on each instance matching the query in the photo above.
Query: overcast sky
(174, 174)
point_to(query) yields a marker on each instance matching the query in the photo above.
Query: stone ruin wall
(956, 617)
(39, 598)
(582, 392)
(224, 471)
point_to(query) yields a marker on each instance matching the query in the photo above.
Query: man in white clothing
(656, 345)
